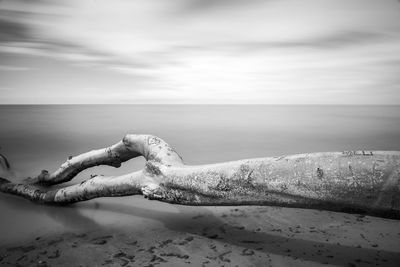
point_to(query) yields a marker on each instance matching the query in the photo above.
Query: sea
(37, 137)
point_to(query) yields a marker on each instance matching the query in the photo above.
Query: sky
(200, 52)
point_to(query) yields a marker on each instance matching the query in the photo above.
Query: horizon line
(182, 104)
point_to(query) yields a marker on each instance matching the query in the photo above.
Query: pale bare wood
(365, 182)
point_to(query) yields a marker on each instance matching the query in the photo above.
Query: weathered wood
(366, 182)
(362, 182)
(150, 147)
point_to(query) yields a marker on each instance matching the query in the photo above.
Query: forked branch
(365, 182)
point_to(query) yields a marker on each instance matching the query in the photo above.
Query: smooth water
(42, 137)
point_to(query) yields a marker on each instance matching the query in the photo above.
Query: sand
(219, 236)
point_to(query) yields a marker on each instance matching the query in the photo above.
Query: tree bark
(366, 182)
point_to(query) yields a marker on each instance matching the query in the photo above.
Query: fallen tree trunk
(366, 182)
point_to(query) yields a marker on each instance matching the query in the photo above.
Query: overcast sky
(200, 51)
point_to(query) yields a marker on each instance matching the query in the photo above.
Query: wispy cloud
(200, 51)
(12, 31)
(189, 6)
(331, 41)
(12, 68)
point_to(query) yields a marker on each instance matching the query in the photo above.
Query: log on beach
(366, 182)
(352, 181)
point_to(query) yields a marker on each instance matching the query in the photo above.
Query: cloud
(349, 38)
(12, 68)
(332, 41)
(200, 50)
(206, 5)
(13, 31)
(23, 32)
(19, 39)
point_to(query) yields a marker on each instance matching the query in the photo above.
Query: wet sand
(217, 236)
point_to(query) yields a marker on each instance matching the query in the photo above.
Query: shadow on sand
(203, 222)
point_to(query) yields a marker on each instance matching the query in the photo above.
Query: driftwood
(365, 182)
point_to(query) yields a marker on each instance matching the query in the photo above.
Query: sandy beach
(233, 91)
(133, 231)
(173, 235)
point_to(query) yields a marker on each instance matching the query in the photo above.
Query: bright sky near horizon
(200, 51)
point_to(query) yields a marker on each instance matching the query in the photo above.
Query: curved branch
(95, 187)
(153, 148)
(148, 146)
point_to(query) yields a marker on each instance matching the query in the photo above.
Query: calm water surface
(42, 137)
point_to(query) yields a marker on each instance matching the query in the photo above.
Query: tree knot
(152, 168)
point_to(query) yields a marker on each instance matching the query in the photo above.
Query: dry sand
(219, 236)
